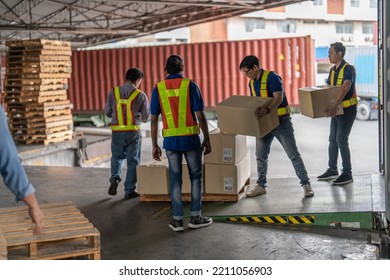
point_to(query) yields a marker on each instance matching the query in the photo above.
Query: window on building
(344, 27)
(318, 2)
(355, 3)
(254, 23)
(287, 26)
(374, 4)
(367, 28)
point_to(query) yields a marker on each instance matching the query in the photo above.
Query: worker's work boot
(328, 175)
(256, 191)
(113, 187)
(308, 190)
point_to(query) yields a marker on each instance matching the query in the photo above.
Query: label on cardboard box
(228, 154)
(228, 184)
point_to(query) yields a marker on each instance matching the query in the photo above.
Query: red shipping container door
(213, 66)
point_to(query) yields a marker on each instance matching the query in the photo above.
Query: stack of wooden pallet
(36, 81)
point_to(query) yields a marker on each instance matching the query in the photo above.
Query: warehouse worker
(15, 177)
(341, 74)
(180, 103)
(267, 83)
(126, 106)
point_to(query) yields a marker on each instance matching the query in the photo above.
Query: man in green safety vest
(126, 106)
(341, 74)
(180, 104)
(266, 83)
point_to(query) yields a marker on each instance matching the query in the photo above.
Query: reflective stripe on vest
(125, 122)
(264, 92)
(349, 102)
(184, 127)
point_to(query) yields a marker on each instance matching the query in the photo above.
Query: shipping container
(213, 66)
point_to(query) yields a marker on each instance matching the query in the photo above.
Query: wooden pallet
(14, 59)
(45, 44)
(205, 196)
(38, 75)
(67, 233)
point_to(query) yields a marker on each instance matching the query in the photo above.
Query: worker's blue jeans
(125, 145)
(194, 164)
(285, 135)
(340, 128)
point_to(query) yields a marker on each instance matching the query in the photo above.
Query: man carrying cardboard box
(266, 83)
(341, 74)
(180, 103)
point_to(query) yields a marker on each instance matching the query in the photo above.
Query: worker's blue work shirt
(349, 74)
(274, 84)
(180, 143)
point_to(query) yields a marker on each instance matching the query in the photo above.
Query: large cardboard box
(227, 179)
(153, 177)
(226, 148)
(315, 101)
(236, 115)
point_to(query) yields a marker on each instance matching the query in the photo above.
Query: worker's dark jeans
(194, 164)
(125, 145)
(340, 128)
(285, 135)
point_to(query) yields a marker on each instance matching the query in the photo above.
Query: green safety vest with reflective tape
(349, 102)
(264, 91)
(124, 115)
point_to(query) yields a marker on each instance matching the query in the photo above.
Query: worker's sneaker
(308, 190)
(257, 190)
(131, 195)
(176, 225)
(114, 185)
(328, 175)
(199, 221)
(343, 179)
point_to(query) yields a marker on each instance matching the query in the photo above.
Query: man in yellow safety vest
(341, 74)
(180, 103)
(266, 83)
(126, 106)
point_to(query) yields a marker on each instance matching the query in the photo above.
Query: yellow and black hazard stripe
(296, 219)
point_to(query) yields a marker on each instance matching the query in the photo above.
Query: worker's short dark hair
(250, 61)
(175, 64)
(134, 74)
(338, 47)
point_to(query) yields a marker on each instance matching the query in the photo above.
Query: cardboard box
(227, 179)
(315, 101)
(153, 177)
(236, 115)
(226, 148)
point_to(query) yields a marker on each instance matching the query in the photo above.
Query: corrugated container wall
(213, 66)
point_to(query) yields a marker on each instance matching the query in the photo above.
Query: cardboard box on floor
(227, 179)
(236, 115)
(315, 101)
(153, 177)
(226, 148)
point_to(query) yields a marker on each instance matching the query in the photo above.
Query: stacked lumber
(35, 87)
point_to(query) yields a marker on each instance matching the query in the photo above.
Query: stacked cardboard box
(315, 101)
(35, 87)
(153, 177)
(227, 167)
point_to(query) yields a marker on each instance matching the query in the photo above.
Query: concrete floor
(131, 229)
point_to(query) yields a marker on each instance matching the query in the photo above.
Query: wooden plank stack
(67, 233)
(36, 82)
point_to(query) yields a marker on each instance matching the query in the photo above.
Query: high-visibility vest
(124, 115)
(175, 107)
(348, 102)
(264, 92)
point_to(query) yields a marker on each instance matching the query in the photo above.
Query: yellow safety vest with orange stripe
(349, 102)
(124, 115)
(264, 91)
(176, 110)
